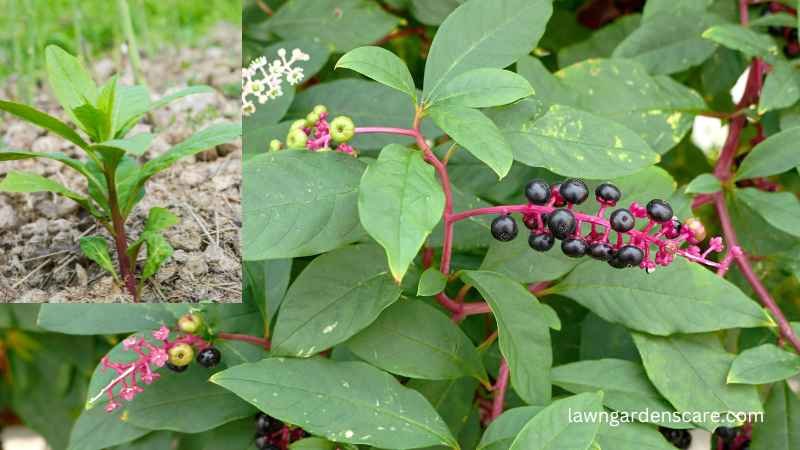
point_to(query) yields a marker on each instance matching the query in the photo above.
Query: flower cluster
(317, 134)
(263, 79)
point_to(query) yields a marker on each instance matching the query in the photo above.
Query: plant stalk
(120, 238)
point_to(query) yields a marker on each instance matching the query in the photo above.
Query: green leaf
(484, 87)
(348, 402)
(779, 19)
(433, 13)
(96, 429)
(69, 80)
(415, 340)
(632, 436)
(781, 429)
(683, 297)
(653, 7)
(337, 295)
(130, 104)
(265, 284)
(601, 43)
(452, 399)
(482, 34)
(382, 66)
(96, 249)
(313, 211)
(135, 145)
(85, 319)
(705, 183)
(22, 182)
(431, 282)
(501, 432)
(523, 332)
(752, 43)
(313, 443)
(474, 131)
(781, 89)
(43, 120)
(158, 252)
(75, 164)
(764, 364)
(690, 372)
(779, 209)
(399, 203)
(571, 142)
(553, 428)
(160, 219)
(772, 156)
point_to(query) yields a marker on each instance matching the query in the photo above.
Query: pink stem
(255, 340)
(388, 130)
(501, 384)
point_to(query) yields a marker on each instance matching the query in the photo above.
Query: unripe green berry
(275, 145)
(181, 355)
(342, 129)
(298, 124)
(296, 139)
(319, 109)
(190, 323)
(311, 119)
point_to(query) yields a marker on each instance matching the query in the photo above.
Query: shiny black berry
(562, 223)
(726, 434)
(504, 228)
(209, 357)
(622, 220)
(537, 191)
(541, 242)
(175, 368)
(601, 251)
(627, 256)
(673, 229)
(678, 438)
(574, 191)
(659, 211)
(266, 424)
(607, 193)
(263, 443)
(574, 247)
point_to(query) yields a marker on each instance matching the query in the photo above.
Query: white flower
(262, 80)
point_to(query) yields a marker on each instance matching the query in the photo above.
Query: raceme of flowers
(262, 80)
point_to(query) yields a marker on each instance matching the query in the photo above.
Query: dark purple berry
(607, 194)
(574, 247)
(601, 251)
(263, 443)
(678, 438)
(504, 228)
(673, 229)
(622, 220)
(175, 368)
(537, 191)
(659, 211)
(627, 256)
(209, 357)
(574, 191)
(266, 424)
(541, 242)
(726, 434)
(562, 223)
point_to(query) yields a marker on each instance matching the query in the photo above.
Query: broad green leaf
(96, 249)
(571, 142)
(601, 43)
(156, 440)
(485, 87)
(501, 432)
(433, 13)
(690, 372)
(337, 295)
(764, 364)
(105, 103)
(349, 402)
(669, 42)
(94, 181)
(601, 339)
(683, 297)
(553, 427)
(779, 209)
(632, 436)
(523, 332)
(653, 7)
(751, 43)
(313, 211)
(84, 319)
(131, 103)
(91, 120)
(313, 443)
(158, 251)
(483, 34)
(237, 434)
(781, 427)
(160, 219)
(69, 80)
(23, 182)
(400, 201)
(549, 91)
(96, 429)
(415, 340)
(474, 131)
(382, 66)
(265, 285)
(43, 120)
(431, 282)
(779, 19)
(452, 399)
(772, 156)
(704, 183)
(781, 89)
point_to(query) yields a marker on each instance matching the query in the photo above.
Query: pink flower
(716, 244)
(162, 333)
(150, 377)
(159, 357)
(112, 405)
(130, 342)
(128, 393)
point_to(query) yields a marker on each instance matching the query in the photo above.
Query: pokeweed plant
(115, 178)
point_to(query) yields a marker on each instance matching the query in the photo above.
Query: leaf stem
(255, 340)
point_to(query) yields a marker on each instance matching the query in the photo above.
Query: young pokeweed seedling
(115, 177)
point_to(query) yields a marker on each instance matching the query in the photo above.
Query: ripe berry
(726, 434)
(267, 424)
(622, 220)
(696, 228)
(209, 357)
(296, 139)
(190, 323)
(504, 228)
(627, 256)
(562, 223)
(678, 438)
(263, 443)
(342, 129)
(659, 211)
(537, 191)
(541, 242)
(574, 247)
(574, 191)
(181, 354)
(175, 368)
(601, 251)
(607, 193)
(673, 229)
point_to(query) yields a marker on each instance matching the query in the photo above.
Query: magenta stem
(387, 130)
(500, 387)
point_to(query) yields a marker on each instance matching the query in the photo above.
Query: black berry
(574, 191)
(537, 191)
(678, 438)
(541, 242)
(659, 211)
(601, 251)
(622, 220)
(673, 229)
(562, 223)
(627, 256)
(209, 357)
(726, 434)
(175, 368)
(574, 247)
(263, 443)
(266, 424)
(607, 193)
(504, 228)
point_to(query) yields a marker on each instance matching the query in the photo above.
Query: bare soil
(40, 260)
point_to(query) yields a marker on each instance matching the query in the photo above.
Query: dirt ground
(40, 259)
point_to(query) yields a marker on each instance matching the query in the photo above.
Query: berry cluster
(733, 438)
(789, 34)
(678, 438)
(550, 216)
(272, 434)
(315, 133)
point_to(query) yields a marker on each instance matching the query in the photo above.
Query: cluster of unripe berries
(181, 355)
(550, 217)
(272, 434)
(315, 133)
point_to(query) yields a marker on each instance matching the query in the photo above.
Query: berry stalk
(501, 385)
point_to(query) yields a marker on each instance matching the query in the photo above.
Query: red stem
(120, 238)
(255, 340)
(500, 386)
